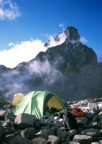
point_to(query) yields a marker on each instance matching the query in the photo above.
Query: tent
(36, 102)
(16, 99)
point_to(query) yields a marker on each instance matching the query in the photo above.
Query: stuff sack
(77, 112)
(69, 121)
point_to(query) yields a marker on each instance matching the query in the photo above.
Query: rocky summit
(68, 69)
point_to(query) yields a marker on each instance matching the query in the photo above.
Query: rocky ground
(27, 129)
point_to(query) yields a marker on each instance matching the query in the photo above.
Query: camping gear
(69, 121)
(77, 112)
(16, 99)
(37, 102)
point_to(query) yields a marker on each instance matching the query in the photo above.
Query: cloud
(83, 40)
(25, 51)
(99, 57)
(62, 26)
(9, 10)
(46, 69)
(21, 52)
(43, 74)
(56, 40)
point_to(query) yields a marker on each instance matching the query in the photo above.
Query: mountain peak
(72, 34)
(69, 69)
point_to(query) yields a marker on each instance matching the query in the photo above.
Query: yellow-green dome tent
(35, 103)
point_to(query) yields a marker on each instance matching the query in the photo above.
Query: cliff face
(70, 70)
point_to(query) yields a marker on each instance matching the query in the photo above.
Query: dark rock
(82, 139)
(92, 132)
(61, 133)
(24, 120)
(2, 114)
(43, 133)
(2, 133)
(72, 34)
(39, 141)
(28, 133)
(52, 130)
(19, 140)
(9, 137)
(37, 124)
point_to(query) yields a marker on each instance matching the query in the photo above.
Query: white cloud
(99, 55)
(53, 42)
(8, 10)
(25, 51)
(83, 40)
(62, 26)
(46, 68)
(21, 52)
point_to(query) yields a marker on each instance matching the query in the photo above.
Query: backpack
(77, 112)
(69, 121)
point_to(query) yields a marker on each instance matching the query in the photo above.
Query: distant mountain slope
(70, 70)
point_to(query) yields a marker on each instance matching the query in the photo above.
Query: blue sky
(26, 24)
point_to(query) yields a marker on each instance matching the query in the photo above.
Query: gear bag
(69, 121)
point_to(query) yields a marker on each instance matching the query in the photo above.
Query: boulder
(2, 133)
(28, 133)
(23, 120)
(19, 140)
(43, 133)
(53, 139)
(2, 114)
(39, 141)
(82, 139)
(92, 132)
